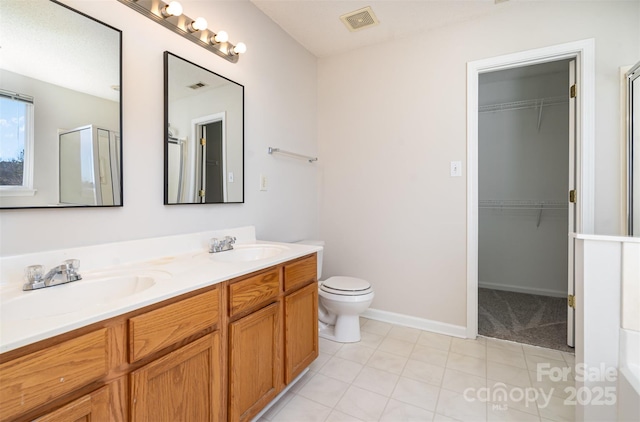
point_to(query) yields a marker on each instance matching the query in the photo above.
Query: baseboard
(521, 289)
(415, 322)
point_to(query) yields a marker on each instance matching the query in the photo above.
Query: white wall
(55, 108)
(523, 162)
(392, 117)
(280, 110)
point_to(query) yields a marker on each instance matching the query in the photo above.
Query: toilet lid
(345, 285)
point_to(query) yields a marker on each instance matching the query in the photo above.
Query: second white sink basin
(247, 253)
(73, 297)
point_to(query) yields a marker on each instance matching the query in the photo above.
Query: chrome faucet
(61, 274)
(220, 245)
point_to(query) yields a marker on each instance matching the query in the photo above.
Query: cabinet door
(184, 385)
(301, 330)
(255, 355)
(93, 407)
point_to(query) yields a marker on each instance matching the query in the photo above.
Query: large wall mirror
(60, 107)
(204, 135)
(633, 150)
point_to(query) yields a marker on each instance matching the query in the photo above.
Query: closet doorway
(583, 52)
(526, 168)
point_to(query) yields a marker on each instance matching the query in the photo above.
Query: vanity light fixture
(200, 24)
(221, 36)
(171, 17)
(240, 48)
(172, 9)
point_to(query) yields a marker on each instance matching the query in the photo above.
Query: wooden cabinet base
(301, 330)
(255, 374)
(181, 386)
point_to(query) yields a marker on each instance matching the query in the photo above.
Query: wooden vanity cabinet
(221, 353)
(255, 343)
(273, 333)
(300, 315)
(185, 384)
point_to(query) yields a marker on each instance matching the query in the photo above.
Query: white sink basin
(247, 253)
(72, 297)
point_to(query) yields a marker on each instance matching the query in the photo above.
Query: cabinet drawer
(253, 291)
(155, 330)
(300, 273)
(37, 378)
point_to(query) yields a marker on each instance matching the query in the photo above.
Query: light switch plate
(263, 182)
(456, 168)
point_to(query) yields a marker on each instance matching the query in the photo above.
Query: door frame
(196, 158)
(584, 53)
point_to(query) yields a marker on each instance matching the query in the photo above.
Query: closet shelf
(526, 204)
(538, 103)
(518, 105)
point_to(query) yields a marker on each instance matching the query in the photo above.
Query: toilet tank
(315, 243)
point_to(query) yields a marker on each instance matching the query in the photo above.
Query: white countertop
(174, 273)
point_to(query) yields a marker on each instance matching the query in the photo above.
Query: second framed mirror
(204, 135)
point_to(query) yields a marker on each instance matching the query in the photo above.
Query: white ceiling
(184, 74)
(317, 26)
(45, 41)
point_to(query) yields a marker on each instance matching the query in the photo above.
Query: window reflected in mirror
(204, 137)
(59, 71)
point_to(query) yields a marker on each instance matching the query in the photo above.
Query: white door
(572, 198)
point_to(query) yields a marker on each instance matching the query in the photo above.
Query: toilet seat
(346, 286)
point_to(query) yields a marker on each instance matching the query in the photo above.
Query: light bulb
(221, 36)
(200, 24)
(240, 48)
(172, 9)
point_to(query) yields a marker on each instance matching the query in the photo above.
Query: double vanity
(159, 329)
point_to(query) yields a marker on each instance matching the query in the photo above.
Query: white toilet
(342, 300)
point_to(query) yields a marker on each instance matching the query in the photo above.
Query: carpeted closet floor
(523, 318)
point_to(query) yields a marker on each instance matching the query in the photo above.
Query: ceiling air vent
(198, 85)
(360, 19)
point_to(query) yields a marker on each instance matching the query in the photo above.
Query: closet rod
(293, 154)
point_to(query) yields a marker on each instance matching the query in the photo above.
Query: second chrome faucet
(221, 245)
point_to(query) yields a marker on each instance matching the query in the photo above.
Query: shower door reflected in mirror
(204, 142)
(633, 150)
(89, 167)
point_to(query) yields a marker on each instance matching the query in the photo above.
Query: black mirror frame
(165, 141)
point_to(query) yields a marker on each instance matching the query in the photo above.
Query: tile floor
(397, 374)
